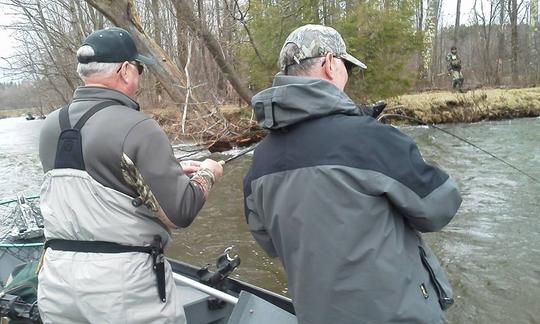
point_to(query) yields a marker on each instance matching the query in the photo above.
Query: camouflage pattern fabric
(133, 177)
(315, 41)
(454, 62)
(457, 80)
(456, 75)
(454, 69)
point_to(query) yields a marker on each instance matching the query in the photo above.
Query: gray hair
(86, 70)
(301, 68)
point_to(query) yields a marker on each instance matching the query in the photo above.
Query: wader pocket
(444, 300)
(69, 150)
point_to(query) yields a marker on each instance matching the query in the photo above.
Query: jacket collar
(93, 93)
(293, 99)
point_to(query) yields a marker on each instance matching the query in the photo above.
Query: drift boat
(207, 296)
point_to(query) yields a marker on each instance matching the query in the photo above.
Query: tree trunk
(157, 38)
(123, 13)
(456, 25)
(533, 30)
(430, 33)
(311, 13)
(514, 40)
(203, 23)
(180, 48)
(500, 43)
(76, 25)
(419, 29)
(214, 48)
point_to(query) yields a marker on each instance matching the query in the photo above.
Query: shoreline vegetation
(20, 112)
(441, 107)
(433, 107)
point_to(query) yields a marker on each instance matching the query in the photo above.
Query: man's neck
(95, 84)
(108, 85)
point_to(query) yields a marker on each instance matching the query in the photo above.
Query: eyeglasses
(140, 67)
(348, 65)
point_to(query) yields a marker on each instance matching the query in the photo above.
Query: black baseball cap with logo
(113, 45)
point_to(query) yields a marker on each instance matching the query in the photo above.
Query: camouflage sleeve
(161, 182)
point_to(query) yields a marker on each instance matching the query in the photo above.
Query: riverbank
(472, 106)
(430, 107)
(10, 113)
(435, 107)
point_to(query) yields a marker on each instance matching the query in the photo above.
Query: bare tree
(456, 25)
(533, 45)
(123, 13)
(514, 47)
(157, 37)
(430, 33)
(500, 42)
(214, 47)
(485, 21)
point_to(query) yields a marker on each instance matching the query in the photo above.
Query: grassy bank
(472, 106)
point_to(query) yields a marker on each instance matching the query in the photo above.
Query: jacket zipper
(444, 300)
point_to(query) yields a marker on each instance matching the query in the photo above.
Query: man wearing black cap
(111, 193)
(341, 199)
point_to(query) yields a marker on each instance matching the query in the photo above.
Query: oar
(206, 289)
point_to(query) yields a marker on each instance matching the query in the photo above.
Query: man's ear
(329, 67)
(124, 72)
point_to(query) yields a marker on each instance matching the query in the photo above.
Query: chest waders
(69, 156)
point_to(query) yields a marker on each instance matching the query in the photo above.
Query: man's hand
(190, 166)
(215, 167)
(378, 107)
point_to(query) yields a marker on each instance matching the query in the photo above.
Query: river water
(491, 250)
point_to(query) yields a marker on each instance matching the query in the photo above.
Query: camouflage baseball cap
(314, 41)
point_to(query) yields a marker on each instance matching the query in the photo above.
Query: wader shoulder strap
(69, 148)
(64, 118)
(92, 111)
(64, 114)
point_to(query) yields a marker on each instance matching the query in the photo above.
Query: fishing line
(383, 116)
(460, 138)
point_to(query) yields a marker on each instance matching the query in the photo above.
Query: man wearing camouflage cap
(341, 199)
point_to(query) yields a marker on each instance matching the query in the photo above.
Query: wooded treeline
(213, 53)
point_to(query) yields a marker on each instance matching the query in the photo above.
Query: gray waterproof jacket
(115, 139)
(341, 199)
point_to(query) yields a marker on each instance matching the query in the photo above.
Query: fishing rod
(383, 116)
(222, 162)
(242, 153)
